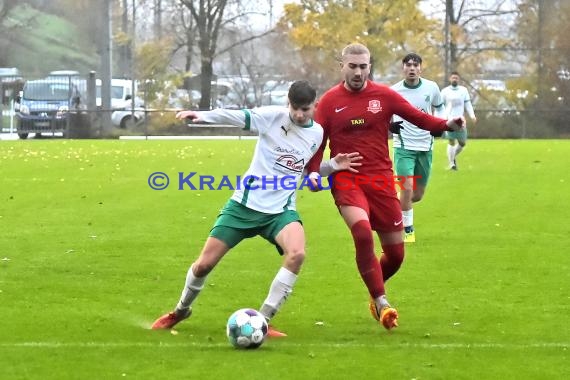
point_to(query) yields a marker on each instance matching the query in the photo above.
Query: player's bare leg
(408, 196)
(213, 251)
(451, 154)
(292, 240)
(458, 149)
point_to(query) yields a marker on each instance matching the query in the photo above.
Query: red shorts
(380, 202)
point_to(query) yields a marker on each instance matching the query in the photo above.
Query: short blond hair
(354, 49)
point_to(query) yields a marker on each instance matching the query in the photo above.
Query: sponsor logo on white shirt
(291, 163)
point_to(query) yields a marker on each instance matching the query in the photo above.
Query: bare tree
(544, 31)
(185, 35)
(5, 7)
(476, 29)
(208, 17)
(6, 29)
(124, 48)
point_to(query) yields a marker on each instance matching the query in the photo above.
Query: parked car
(64, 73)
(181, 99)
(12, 83)
(121, 102)
(44, 105)
(127, 117)
(10, 72)
(121, 93)
(275, 93)
(275, 97)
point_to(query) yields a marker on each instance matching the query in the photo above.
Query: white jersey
(457, 101)
(279, 159)
(426, 97)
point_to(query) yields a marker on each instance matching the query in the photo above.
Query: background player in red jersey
(355, 116)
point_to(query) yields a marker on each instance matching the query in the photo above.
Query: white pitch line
(188, 137)
(443, 346)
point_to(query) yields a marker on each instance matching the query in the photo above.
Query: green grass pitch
(90, 256)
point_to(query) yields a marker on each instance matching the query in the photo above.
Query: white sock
(381, 302)
(451, 153)
(408, 217)
(458, 150)
(191, 290)
(280, 289)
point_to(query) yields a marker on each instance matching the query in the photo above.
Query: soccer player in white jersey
(265, 205)
(412, 145)
(457, 102)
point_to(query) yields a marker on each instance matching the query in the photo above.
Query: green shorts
(413, 163)
(460, 135)
(237, 222)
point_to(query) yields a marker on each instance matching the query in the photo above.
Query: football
(246, 328)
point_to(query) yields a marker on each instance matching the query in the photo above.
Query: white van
(121, 100)
(121, 92)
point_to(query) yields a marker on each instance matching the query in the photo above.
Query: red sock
(366, 260)
(391, 259)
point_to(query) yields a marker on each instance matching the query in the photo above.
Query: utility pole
(106, 66)
(158, 19)
(124, 52)
(540, 68)
(270, 14)
(447, 39)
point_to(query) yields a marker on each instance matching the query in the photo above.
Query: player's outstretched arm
(191, 115)
(220, 116)
(456, 123)
(342, 161)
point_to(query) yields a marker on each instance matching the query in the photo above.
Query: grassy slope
(48, 43)
(93, 256)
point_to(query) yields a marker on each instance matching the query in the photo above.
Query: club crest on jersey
(374, 106)
(291, 163)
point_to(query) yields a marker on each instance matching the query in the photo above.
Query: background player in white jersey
(412, 145)
(457, 102)
(288, 138)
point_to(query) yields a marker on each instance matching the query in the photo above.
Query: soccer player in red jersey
(355, 116)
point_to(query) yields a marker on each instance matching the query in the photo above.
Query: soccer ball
(246, 328)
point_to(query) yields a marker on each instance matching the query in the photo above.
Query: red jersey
(359, 122)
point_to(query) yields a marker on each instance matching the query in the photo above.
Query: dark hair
(454, 73)
(301, 93)
(412, 56)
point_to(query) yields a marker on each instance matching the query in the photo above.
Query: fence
(498, 124)
(67, 105)
(10, 86)
(70, 106)
(520, 124)
(49, 105)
